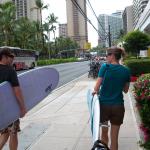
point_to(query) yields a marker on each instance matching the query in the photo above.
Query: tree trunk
(49, 45)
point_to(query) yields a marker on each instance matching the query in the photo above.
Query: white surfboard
(94, 109)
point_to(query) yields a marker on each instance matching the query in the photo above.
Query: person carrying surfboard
(7, 73)
(113, 80)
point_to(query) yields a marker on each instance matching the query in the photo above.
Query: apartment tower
(25, 8)
(76, 23)
(116, 25)
(63, 30)
(128, 19)
(138, 8)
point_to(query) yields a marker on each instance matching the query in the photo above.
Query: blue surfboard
(94, 109)
(36, 84)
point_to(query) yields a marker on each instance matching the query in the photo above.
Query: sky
(58, 7)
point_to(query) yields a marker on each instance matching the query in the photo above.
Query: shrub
(138, 66)
(142, 96)
(55, 61)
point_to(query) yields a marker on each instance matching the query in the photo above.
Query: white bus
(24, 59)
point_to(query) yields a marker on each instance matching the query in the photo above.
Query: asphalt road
(69, 71)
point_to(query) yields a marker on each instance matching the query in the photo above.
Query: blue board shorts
(12, 128)
(112, 113)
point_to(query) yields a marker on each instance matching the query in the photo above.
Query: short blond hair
(118, 52)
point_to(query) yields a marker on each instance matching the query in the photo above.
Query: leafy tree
(66, 44)
(7, 15)
(36, 41)
(40, 6)
(22, 32)
(48, 27)
(136, 41)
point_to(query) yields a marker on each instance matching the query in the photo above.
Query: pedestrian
(113, 80)
(7, 73)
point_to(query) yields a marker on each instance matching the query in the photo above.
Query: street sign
(87, 45)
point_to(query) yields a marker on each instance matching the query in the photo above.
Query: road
(69, 71)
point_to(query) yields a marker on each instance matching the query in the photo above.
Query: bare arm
(97, 86)
(126, 88)
(20, 100)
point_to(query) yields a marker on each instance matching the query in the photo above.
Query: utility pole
(109, 36)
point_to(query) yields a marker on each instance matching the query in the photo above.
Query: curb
(136, 116)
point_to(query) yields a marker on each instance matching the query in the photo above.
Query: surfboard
(36, 84)
(94, 109)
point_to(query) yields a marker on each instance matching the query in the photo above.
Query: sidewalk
(61, 122)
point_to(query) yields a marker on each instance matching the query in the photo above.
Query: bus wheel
(14, 66)
(32, 65)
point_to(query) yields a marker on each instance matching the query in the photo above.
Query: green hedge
(55, 61)
(138, 66)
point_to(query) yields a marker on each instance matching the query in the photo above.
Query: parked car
(80, 59)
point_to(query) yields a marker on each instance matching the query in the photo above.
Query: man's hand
(94, 92)
(23, 111)
(20, 100)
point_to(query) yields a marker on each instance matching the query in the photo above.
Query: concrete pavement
(61, 121)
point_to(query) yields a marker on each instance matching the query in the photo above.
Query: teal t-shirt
(115, 76)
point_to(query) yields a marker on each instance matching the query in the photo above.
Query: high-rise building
(76, 23)
(118, 13)
(63, 30)
(25, 8)
(138, 8)
(116, 24)
(143, 23)
(128, 19)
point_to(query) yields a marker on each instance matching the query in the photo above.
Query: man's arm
(126, 87)
(20, 100)
(97, 86)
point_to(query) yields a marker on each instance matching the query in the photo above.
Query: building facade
(143, 23)
(118, 14)
(76, 23)
(63, 30)
(25, 8)
(128, 19)
(116, 25)
(138, 8)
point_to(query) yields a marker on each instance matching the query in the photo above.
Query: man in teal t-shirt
(113, 80)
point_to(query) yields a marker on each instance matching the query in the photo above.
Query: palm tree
(49, 26)
(40, 6)
(7, 15)
(36, 31)
(23, 33)
(47, 29)
(52, 19)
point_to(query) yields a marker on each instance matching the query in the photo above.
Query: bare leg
(114, 136)
(104, 136)
(13, 142)
(3, 139)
